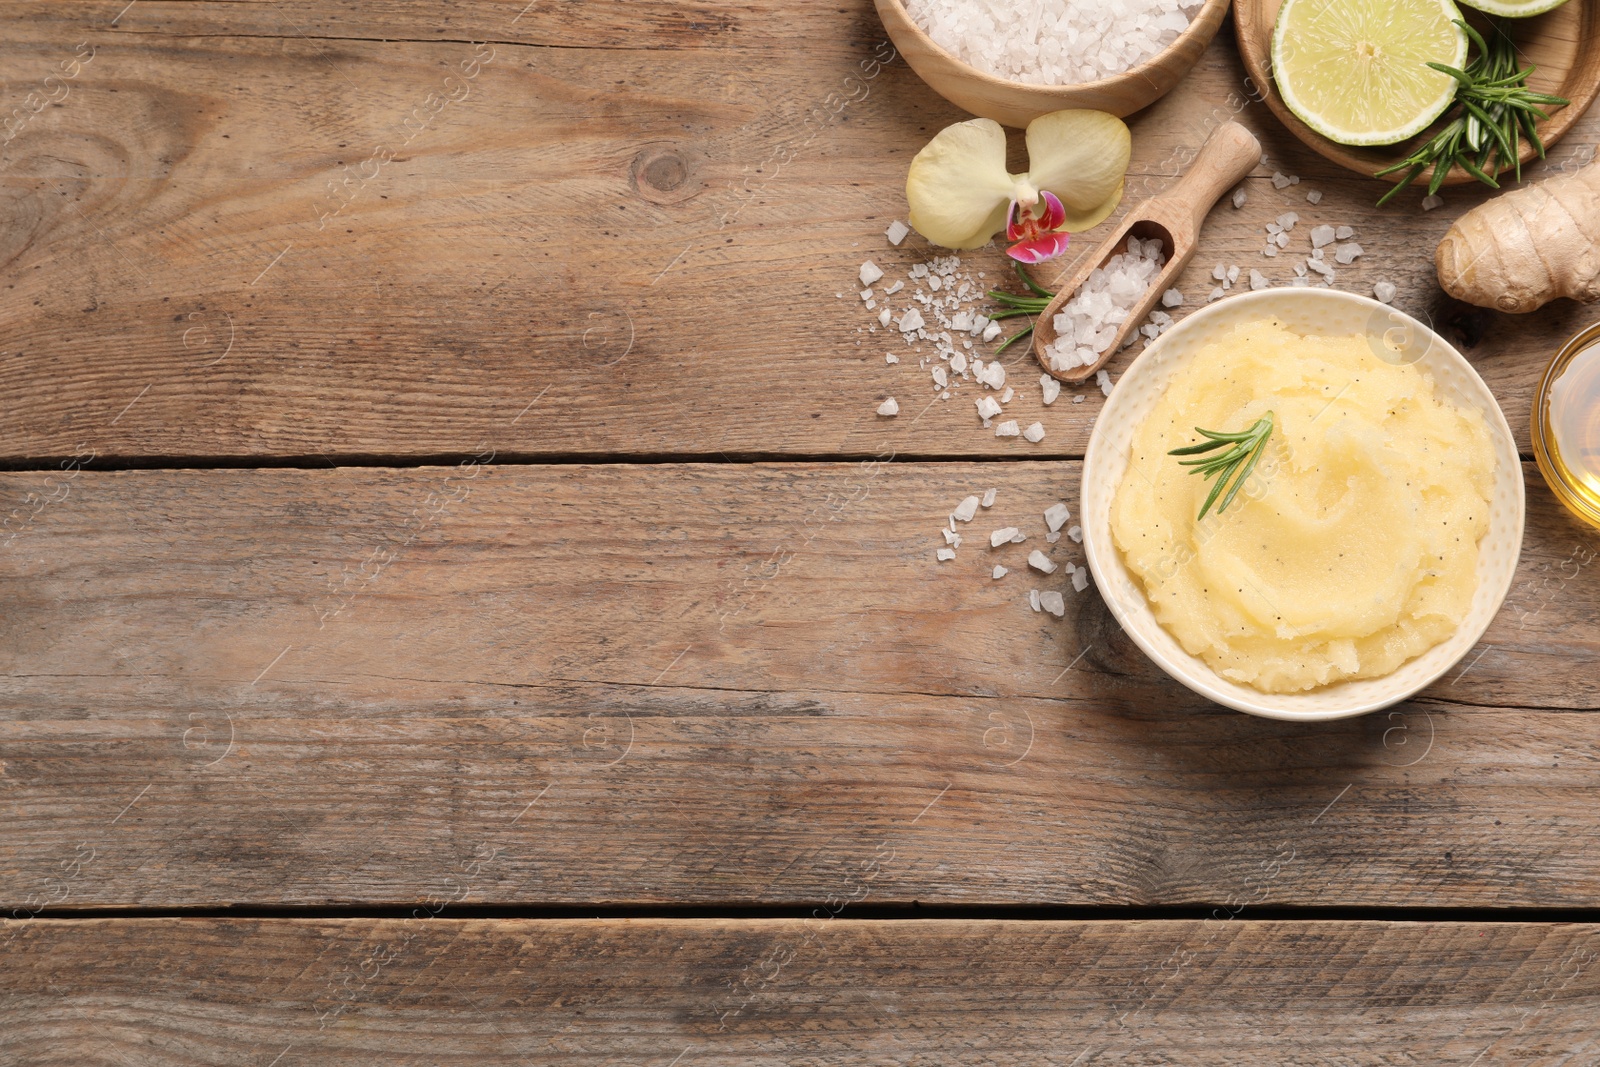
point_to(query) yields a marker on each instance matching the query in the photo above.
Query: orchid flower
(961, 194)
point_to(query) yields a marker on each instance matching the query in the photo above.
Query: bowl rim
(1195, 673)
(1132, 74)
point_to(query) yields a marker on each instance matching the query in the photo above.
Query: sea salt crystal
(993, 375)
(1053, 602)
(1239, 197)
(988, 407)
(1087, 324)
(1233, 275)
(1384, 291)
(951, 538)
(1431, 202)
(941, 377)
(1320, 267)
(1080, 580)
(1317, 253)
(988, 498)
(991, 331)
(1007, 429)
(1314, 196)
(1104, 381)
(1033, 599)
(1280, 180)
(1270, 250)
(911, 320)
(1282, 240)
(1346, 253)
(1055, 516)
(1294, 179)
(1050, 387)
(1041, 562)
(884, 316)
(895, 288)
(1215, 294)
(966, 509)
(1034, 432)
(889, 407)
(1288, 219)
(1076, 533)
(870, 273)
(1053, 42)
(1219, 272)
(891, 358)
(1002, 536)
(1258, 280)
(896, 232)
(1053, 536)
(958, 363)
(1274, 229)
(1005, 397)
(1077, 399)
(945, 554)
(1321, 235)
(1344, 233)
(999, 572)
(1018, 537)
(1171, 298)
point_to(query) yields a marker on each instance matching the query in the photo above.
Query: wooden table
(461, 607)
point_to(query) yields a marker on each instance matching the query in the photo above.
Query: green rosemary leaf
(1230, 469)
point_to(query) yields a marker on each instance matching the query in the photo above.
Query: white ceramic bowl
(1304, 311)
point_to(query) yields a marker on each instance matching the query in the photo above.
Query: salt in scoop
(1174, 219)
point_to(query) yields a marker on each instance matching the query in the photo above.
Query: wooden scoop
(1174, 219)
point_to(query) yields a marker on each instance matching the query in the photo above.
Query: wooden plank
(235, 235)
(818, 991)
(718, 684)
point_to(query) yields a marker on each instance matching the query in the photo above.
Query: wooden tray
(1563, 44)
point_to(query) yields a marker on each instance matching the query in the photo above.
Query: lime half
(1356, 71)
(1515, 9)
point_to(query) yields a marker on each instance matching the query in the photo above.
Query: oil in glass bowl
(1566, 425)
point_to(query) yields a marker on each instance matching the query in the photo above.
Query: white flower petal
(958, 187)
(1081, 156)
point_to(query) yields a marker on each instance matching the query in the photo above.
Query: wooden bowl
(1563, 44)
(1018, 103)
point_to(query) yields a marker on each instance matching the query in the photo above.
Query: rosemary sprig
(1497, 111)
(1020, 305)
(1248, 445)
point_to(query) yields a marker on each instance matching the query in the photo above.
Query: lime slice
(1515, 9)
(1356, 70)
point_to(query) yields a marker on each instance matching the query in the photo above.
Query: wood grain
(719, 684)
(638, 215)
(138, 992)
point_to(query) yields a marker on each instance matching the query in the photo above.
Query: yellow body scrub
(1352, 548)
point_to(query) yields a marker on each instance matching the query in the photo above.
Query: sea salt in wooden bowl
(1326, 312)
(1013, 103)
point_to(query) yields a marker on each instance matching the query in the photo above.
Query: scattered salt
(1034, 432)
(1384, 291)
(1080, 580)
(988, 407)
(1172, 298)
(1002, 536)
(1053, 602)
(1321, 235)
(988, 498)
(945, 554)
(1077, 399)
(966, 509)
(884, 316)
(1233, 274)
(991, 331)
(1431, 202)
(1344, 233)
(896, 232)
(958, 363)
(1005, 397)
(1288, 219)
(1055, 516)
(1007, 429)
(1033, 599)
(999, 572)
(870, 273)
(1018, 537)
(941, 377)
(1239, 197)
(1347, 253)
(1050, 387)
(1041, 562)
(889, 407)
(911, 320)
(1053, 536)
(1280, 180)
(1282, 240)
(895, 288)
(890, 357)
(1314, 196)
(1258, 280)
(1320, 267)
(1076, 533)
(1215, 294)
(1104, 381)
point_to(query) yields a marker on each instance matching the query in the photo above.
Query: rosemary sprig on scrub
(1248, 445)
(1020, 305)
(1497, 111)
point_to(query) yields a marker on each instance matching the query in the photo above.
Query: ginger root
(1523, 249)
